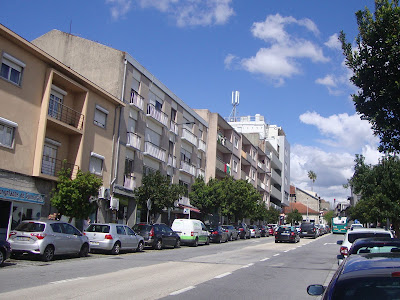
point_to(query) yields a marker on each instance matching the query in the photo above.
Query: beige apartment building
(156, 131)
(49, 115)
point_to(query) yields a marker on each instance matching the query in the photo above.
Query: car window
(56, 227)
(98, 228)
(69, 229)
(203, 227)
(353, 236)
(120, 230)
(141, 227)
(31, 227)
(129, 230)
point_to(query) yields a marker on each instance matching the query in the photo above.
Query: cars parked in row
(263, 230)
(309, 229)
(254, 231)
(243, 230)
(287, 234)
(191, 232)
(233, 234)
(158, 236)
(218, 234)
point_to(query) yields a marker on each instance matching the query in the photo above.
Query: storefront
(16, 206)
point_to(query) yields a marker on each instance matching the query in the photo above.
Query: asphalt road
(244, 269)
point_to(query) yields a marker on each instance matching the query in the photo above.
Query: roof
(375, 263)
(300, 207)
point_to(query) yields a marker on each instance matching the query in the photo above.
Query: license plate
(22, 238)
(94, 243)
(284, 233)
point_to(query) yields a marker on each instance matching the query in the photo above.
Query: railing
(222, 166)
(136, 100)
(171, 161)
(65, 114)
(133, 140)
(156, 114)
(261, 166)
(129, 182)
(173, 127)
(201, 173)
(190, 137)
(221, 139)
(188, 168)
(51, 166)
(202, 145)
(154, 151)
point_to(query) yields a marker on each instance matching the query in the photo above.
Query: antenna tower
(235, 102)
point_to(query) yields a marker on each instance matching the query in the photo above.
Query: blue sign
(22, 196)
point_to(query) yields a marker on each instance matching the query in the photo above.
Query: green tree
(260, 212)
(71, 196)
(375, 66)
(272, 215)
(328, 217)
(312, 177)
(294, 217)
(206, 197)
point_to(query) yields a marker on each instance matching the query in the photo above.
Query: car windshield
(98, 228)
(30, 227)
(378, 249)
(353, 236)
(284, 229)
(306, 226)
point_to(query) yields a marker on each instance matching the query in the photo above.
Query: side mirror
(315, 289)
(339, 242)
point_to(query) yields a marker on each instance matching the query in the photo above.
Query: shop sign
(22, 196)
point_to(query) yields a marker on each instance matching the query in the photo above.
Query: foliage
(375, 66)
(328, 217)
(272, 215)
(71, 197)
(312, 177)
(294, 217)
(206, 197)
(260, 212)
(159, 190)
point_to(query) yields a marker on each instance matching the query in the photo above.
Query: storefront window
(24, 211)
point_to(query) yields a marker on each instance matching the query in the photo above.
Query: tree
(272, 215)
(260, 212)
(71, 196)
(375, 66)
(312, 177)
(294, 217)
(328, 217)
(206, 197)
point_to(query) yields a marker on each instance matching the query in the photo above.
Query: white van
(191, 231)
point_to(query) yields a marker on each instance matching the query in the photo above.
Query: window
(236, 142)
(186, 185)
(186, 156)
(156, 101)
(235, 166)
(100, 116)
(7, 133)
(56, 102)
(129, 160)
(135, 85)
(173, 115)
(11, 68)
(153, 137)
(96, 164)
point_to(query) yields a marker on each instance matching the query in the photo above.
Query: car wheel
(48, 253)
(116, 248)
(178, 243)
(276, 241)
(15, 255)
(196, 242)
(158, 245)
(2, 258)
(140, 247)
(208, 241)
(231, 237)
(84, 250)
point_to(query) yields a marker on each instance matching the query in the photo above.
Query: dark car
(287, 234)
(264, 230)
(364, 276)
(217, 234)
(232, 232)
(243, 230)
(5, 251)
(308, 230)
(158, 235)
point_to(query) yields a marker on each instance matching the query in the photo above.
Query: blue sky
(282, 56)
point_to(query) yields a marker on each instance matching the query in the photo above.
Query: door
(49, 159)
(55, 105)
(123, 237)
(133, 239)
(74, 237)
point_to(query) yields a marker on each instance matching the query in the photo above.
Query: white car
(191, 231)
(352, 235)
(356, 226)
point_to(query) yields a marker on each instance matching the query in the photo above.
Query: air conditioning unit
(104, 193)
(114, 203)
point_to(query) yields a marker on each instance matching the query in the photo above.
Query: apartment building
(156, 131)
(51, 117)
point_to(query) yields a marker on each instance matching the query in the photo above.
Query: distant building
(308, 214)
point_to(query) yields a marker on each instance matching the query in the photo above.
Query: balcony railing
(156, 114)
(202, 145)
(65, 114)
(201, 173)
(129, 182)
(133, 140)
(261, 166)
(51, 166)
(222, 166)
(173, 127)
(171, 161)
(154, 151)
(190, 137)
(188, 168)
(136, 100)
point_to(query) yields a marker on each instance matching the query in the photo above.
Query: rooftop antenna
(235, 102)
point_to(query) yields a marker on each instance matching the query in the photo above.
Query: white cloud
(194, 12)
(328, 80)
(119, 8)
(333, 42)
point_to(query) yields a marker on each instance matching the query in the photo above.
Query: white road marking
(223, 275)
(287, 250)
(66, 280)
(264, 259)
(277, 254)
(246, 266)
(330, 244)
(182, 290)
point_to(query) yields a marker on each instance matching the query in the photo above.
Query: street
(243, 269)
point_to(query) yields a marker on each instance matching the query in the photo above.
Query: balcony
(133, 140)
(136, 100)
(171, 161)
(275, 162)
(154, 151)
(157, 115)
(244, 176)
(223, 144)
(276, 177)
(51, 166)
(188, 168)
(173, 127)
(201, 173)
(222, 166)
(276, 193)
(262, 168)
(65, 114)
(129, 182)
(245, 158)
(202, 145)
(190, 137)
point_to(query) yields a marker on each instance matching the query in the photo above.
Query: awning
(194, 209)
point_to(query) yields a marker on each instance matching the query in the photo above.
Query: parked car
(113, 238)
(364, 276)
(309, 229)
(254, 231)
(271, 229)
(353, 235)
(356, 225)
(5, 251)
(244, 231)
(48, 238)
(232, 232)
(287, 234)
(158, 235)
(264, 231)
(192, 232)
(375, 245)
(218, 234)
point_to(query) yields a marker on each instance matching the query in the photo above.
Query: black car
(218, 234)
(308, 230)
(158, 235)
(5, 251)
(232, 232)
(264, 230)
(287, 234)
(243, 230)
(364, 276)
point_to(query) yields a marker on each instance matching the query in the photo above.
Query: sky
(282, 56)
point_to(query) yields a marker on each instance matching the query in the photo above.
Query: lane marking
(264, 259)
(246, 266)
(277, 254)
(330, 244)
(182, 290)
(223, 275)
(67, 280)
(287, 250)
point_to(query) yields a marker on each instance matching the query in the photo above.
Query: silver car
(113, 238)
(48, 238)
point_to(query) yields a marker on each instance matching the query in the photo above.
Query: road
(244, 269)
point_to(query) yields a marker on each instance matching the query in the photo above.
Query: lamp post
(307, 209)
